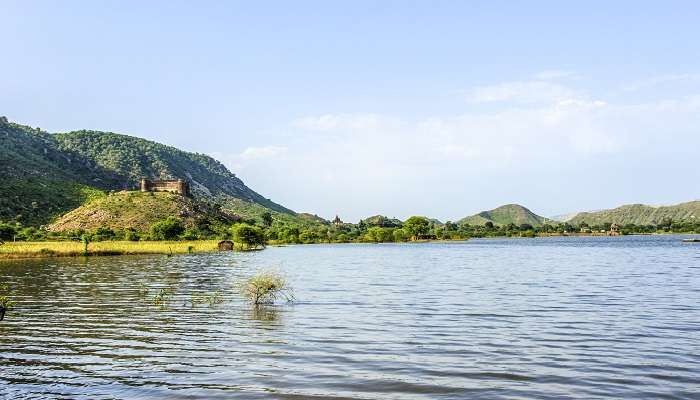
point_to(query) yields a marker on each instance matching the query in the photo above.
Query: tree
(266, 218)
(399, 235)
(526, 227)
(249, 237)
(488, 225)
(167, 229)
(416, 227)
(378, 234)
(361, 226)
(308, 236)
(289, 234)
(7, 231)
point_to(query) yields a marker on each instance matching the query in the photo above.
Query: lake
(547, 318)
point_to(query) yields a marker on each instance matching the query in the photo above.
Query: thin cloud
(554, 74)
(525, 92)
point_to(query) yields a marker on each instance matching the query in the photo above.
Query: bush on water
(266, 288)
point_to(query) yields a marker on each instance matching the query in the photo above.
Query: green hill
(137, 210)
(382, 221)
(45, 175)
(640, 214)
(134, 158)
(504, 215)
(41, 181)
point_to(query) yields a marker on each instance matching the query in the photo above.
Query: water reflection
(265, 313)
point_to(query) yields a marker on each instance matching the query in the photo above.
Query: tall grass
(63, 249)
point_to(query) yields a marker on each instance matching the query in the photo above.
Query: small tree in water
(5, 302)
(266, 288)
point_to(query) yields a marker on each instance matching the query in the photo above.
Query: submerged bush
(163, 297)
(215, 297)
(5, 302)
(266, 288)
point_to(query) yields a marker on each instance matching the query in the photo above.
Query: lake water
(494, 319)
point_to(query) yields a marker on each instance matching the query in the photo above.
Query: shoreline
(50, 249)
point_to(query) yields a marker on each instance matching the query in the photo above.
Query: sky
(400, 108)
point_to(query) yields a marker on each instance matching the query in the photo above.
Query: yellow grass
(68, 249)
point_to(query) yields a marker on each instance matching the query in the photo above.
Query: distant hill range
(640, 214)
(45, 175)
(504, 215)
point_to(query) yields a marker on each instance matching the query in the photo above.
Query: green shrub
(7, 231)
(131, 235)
(167, 229)
(190, 234)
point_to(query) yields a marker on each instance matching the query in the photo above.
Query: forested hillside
(41, 181)
(45, 175)
(135, 158)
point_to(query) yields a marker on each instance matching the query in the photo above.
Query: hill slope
(45, 175)
(41, 181)
(134, 158)
(640, 214)
(504, 215)
(138, 211)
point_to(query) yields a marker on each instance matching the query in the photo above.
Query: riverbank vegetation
(102, 248)
(171, 236)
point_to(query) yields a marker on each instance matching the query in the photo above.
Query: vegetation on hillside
(139, 212)
(45, 175)
(504, 215)
(640, 214)
(40, 181)
(135, 158)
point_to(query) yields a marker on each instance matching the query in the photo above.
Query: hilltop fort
(178, 186)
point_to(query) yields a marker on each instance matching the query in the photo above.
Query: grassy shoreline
(14, 250)
(47, 249)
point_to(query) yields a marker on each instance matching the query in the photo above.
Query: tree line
(259, 231)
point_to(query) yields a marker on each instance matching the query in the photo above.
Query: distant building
(614, 230)
(178, 186)
(336, 221)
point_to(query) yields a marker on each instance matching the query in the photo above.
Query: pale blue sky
(399, 108)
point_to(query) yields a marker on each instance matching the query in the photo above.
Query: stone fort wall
(178, 186)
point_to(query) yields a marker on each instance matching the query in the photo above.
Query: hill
(640, 214)
(134, 158)
(382, 221)
(504, 215)
(44, 175)
(137, 210)
(41, 181)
